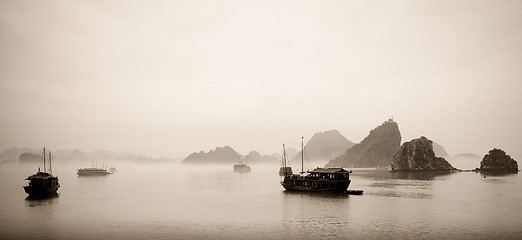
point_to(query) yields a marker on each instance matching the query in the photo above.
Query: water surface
(165, 201)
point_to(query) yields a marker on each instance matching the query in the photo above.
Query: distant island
(376, 150)
(465, 161)
(324, 146)
(227, 155)
(254, 157)
(219, 155)
(31, 155)
(440, 151)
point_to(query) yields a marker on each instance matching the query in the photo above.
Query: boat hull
(40, 191)
(241, 168)
(338, 186)
(92, 172)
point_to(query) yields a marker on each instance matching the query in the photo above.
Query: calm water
(167, 201)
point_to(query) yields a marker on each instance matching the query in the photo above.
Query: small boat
(318, 180)
(284, 169)
(241, 167)
(42, 184)
(92, 171)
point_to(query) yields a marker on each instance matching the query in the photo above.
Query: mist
(168, 78)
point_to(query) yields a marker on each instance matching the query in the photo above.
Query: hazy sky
(167, 78)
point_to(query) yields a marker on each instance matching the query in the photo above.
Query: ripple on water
(412, 195)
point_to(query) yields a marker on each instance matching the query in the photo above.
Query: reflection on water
(498, 173)
(42, 198)
(168, 201)
(417, 175)
(320, 195)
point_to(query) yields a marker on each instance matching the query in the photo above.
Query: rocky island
(220, 155)
(376, 150)
(497, 160)
(418, 155)
(255, 157)
(324, 146)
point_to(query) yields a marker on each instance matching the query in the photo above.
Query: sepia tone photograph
(243, 119)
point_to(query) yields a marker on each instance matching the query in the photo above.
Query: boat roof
(328, 170)
(40, 175)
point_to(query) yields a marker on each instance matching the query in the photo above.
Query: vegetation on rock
(376, 150)
(497, 159)
(418, 155)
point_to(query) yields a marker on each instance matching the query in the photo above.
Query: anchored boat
(42, 184)
(241, 167)
(317, 180)
(92, 171)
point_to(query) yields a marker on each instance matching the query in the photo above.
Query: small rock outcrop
(497, 159)
(418, 155)
(376, 150)
(219, 155)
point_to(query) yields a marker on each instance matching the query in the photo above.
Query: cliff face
(324, 146)
(497, 159)
(219, 155)
(377, 149)
(416, 155)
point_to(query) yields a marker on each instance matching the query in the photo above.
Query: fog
(168, 78)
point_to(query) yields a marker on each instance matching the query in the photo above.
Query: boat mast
(302, 155)
(284, 158)
(45, 170)
(50, 164)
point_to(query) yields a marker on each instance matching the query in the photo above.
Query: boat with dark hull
(318, 180)
(42, 184)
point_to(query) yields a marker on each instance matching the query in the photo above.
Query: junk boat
(241, 167)
(42, 184)
(318, 180)
(284, 169)
(92, 171)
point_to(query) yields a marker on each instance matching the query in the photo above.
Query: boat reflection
(42, 198)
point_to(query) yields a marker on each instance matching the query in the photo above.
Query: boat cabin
(329, 173)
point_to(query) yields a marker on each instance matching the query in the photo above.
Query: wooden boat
(318, 180)
(42, 184)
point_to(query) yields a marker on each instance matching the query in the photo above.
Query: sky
(168, 78)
